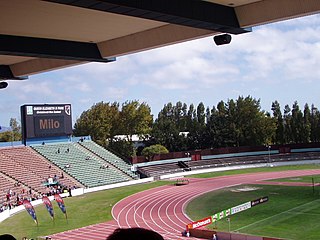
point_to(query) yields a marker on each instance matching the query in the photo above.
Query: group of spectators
(14, 196)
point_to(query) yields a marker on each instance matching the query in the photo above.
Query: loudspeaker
(3, 85)
(222, 39)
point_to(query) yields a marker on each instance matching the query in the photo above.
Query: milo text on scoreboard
(49, 123)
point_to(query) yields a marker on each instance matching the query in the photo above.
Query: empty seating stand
(163, 169)
(26, 166)
(87, 167)
(109, 157)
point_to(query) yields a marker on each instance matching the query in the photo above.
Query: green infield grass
(290, 213)
(305, 179)
(82, 211)
(94, 208)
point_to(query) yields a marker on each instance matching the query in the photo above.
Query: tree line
(14, 134)
(180, 127)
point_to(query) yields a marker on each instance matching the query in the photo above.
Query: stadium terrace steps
(14, 169)
(104, 164)
(26, 166)
(40, 165)
(6, 184)
(109, 157)
(19, 190)
(160, 169)
(85, 166)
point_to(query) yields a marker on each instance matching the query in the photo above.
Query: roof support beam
(50, 48)
(149, 39)
(6, 74)
(40, 65)
(263, 12)
(191, 13)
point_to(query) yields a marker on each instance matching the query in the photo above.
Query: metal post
(269, 157)
(313, 185)
(12, 137)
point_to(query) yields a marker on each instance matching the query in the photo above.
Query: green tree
(306, 134)
(16, 129)
(166, 129)
(287, 124)
(135, 118)
(164, 132)
(253, 125)
(14, 134)
(232, 133)
(100, 122)
(196, 137)
(213, 134)
(315, 124)
(297, 127)
(201, 115)
(6, 136)
(122, 148)
(277, 115)
(191, 115)
(153, 150)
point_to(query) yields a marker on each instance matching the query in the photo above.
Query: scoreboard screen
(47, 120)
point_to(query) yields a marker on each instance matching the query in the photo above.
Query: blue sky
(279, 61)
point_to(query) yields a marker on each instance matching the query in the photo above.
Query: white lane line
(276, 215)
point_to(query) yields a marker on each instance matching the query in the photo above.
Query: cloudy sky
(279, 61)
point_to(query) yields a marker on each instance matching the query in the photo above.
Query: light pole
(12, 136)
(269, 157)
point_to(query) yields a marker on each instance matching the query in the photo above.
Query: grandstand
(87, 162)
(156, 169)
(25, 170)
(25, 173)
(109, 157)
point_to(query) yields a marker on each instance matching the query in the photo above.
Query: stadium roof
(39, 36)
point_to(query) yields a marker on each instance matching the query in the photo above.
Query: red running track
(162, 209)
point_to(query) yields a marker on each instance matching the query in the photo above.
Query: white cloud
(271, 63)
(116, 93)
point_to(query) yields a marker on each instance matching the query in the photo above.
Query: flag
(46, 201)
(60, 203)
(27, 205)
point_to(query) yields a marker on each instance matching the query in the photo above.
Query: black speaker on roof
(222, 39)
(3, 85)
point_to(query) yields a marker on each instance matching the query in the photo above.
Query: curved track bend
(162, 209)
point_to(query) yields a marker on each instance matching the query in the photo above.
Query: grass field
(305, 179)
(290, 213)
(96, 208)
(82, 211)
